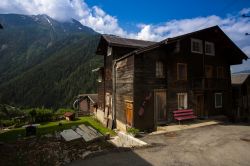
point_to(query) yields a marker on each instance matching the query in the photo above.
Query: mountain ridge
(39, 55)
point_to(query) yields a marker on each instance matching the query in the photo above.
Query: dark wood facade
(241, 97)
(143, 99)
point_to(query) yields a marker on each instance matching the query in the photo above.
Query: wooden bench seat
(184, 114)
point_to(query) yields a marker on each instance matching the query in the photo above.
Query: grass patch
(51, 127)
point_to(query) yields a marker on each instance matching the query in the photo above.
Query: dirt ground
(223, 144)
(44, 151)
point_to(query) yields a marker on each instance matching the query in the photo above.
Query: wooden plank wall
(145, 81)
(100, 91)
(144, 84)
(124, 86)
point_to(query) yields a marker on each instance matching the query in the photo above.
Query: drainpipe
(114, 94)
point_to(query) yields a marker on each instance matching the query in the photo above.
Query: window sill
(210, 54)
(197, 52)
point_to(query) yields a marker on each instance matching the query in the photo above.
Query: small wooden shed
(85, 104)
(69, 116)
(241, 96)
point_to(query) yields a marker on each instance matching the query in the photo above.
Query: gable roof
(239, 78)
(174, 39)
(69, 114)
(92, 97)
(125, 42)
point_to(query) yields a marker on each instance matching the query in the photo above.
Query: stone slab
(69, 135)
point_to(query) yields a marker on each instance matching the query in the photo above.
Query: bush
(40, 114)
(7, 112)
(133, 131)
(43, 115)
(7, 123)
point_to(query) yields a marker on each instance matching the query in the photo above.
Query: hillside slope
(44, 62)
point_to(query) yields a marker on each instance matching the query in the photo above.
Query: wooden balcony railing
(210, 83)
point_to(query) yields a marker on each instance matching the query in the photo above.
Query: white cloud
(96, 18)
(245, 11)
(64, 10)
(60, 10)
(102, 22)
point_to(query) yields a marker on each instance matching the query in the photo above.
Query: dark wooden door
(160, 106)
(199, 106)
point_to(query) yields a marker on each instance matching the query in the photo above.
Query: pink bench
(184, 114)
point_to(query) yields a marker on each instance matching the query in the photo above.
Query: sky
(146, 19)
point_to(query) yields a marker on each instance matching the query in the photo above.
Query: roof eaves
(123, 45)
(144, 49)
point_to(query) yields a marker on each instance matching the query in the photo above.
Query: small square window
(196, 46)
(218, 100)
(181, 71)
(159, 71)
(209, 48)
(182, 100)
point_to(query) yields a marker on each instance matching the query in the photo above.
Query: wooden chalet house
(241, 96)
(143, 82)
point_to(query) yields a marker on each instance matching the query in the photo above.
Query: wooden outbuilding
(85, 104)
(69, 116)
(144, 82)
(241, 96)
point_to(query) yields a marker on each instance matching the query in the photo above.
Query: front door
(160, 106)
(129, 112)
(199, 106)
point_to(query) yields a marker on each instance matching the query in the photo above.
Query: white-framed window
(109, 51)
(209, 48)
(218, 100)
(159, 70)
(196, 46)
(182, 100)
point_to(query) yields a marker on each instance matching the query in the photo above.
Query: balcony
(210, 83)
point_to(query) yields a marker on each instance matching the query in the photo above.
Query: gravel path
(211, 145)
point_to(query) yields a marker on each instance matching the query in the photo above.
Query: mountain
(44, 62)
(242, 72)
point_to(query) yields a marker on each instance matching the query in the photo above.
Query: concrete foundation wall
(99, 114)
(126, 140)
(121, 126)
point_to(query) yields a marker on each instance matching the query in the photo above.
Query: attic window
(159, 69)
(196, 46)
(109, 51)
(209, 48)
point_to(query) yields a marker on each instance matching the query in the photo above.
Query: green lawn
(51, 127)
